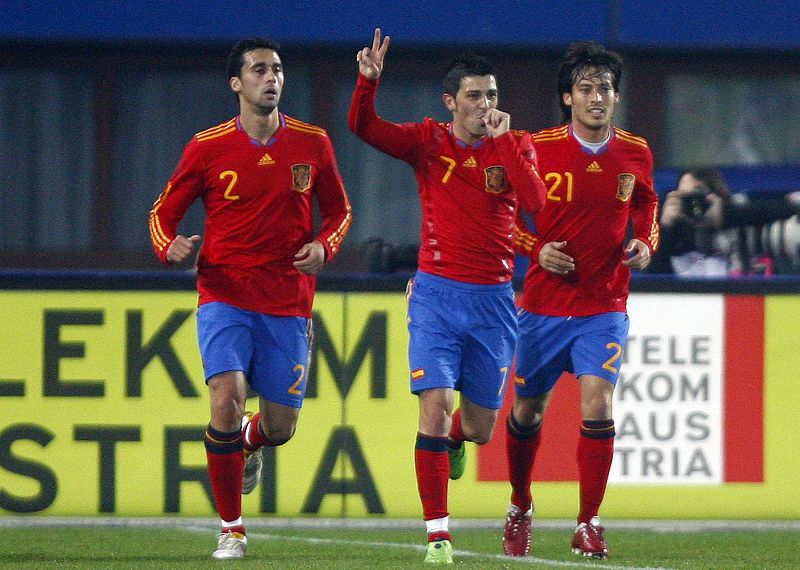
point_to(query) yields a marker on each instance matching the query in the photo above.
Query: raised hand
(370, 60)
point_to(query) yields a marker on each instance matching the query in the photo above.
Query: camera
(695, 205)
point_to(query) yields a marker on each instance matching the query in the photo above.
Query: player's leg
(226, 349)
(542, 356)
(594, 453)
(279, 374)
(471, 422)
(433, 469)
(597, 355)
(223, 444)
(490, 338)
(434, 353)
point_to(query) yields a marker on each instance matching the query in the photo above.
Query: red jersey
(468, 193)
(590, 200)
(258, 213)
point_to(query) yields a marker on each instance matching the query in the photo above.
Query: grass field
(29, 543)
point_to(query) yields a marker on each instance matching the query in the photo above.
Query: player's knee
(278, 435)
(480, 435)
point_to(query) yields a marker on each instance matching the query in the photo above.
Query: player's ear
(449, 101)
(567, 98)
(236, 84)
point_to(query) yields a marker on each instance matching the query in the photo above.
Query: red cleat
(517, 532)
(589, 541)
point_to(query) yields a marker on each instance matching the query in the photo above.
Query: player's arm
(169, 208)
(336, 214)
(519, 159)
(644, 217)
(396, 140)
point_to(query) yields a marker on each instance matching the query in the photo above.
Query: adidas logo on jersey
(266, 160)
(594, 167)
(470, 162)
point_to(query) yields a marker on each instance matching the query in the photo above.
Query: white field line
(310, 523)
(581, 563)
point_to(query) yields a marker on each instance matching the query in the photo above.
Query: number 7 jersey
(591, 199)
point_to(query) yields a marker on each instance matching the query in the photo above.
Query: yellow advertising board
(103, 408)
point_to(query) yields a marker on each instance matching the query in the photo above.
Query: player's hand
(370, 60)
(497, 122)
(641, 254)
(554, 260)
(181, 248)
(310, 258)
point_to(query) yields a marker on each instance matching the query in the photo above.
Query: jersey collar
(273, 138)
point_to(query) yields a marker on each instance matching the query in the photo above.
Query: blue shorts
(549, 346)
(462, 336)
(273, 352)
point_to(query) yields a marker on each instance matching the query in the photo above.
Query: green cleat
(439, 552)
(458, 461)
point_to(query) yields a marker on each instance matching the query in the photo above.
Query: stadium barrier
(104, 407)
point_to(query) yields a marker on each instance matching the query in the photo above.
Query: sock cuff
(431, 443)
(222, 442)
(598, 429)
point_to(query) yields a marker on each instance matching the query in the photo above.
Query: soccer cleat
(251, 474)
(458, 460)
(439, 552)
(230, 545)
(589, 541)
(517, 532)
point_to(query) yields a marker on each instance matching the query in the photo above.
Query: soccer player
(257, 175)
(572, 313)
(472, 172)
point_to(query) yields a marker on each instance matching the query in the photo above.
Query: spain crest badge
(625, 186)
(301, 177)
(495, 179)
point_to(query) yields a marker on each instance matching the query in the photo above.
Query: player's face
(261, 80)
(476, 94)
(592, 99)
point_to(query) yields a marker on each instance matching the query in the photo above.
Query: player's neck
(258, 126)
(464, 135)
(591, 135)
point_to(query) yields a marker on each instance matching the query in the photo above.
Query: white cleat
(230, 546)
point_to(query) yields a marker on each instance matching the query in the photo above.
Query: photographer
(709, 232)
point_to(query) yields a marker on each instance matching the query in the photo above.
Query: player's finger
(376, 39)
(384, 46)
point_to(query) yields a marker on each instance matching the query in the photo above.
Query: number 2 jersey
(468, 193)
(591, 199)
(258, 213)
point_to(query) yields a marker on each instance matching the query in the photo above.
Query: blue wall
(685, 23)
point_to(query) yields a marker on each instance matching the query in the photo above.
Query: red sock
(253, 436)
(595, 452)
(456, 433)
(433, 472)
(225, 464)
(521, 446)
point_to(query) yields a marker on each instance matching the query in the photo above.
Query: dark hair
(236, 55)
(580, 59)
(712, 179)
(465, 66)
